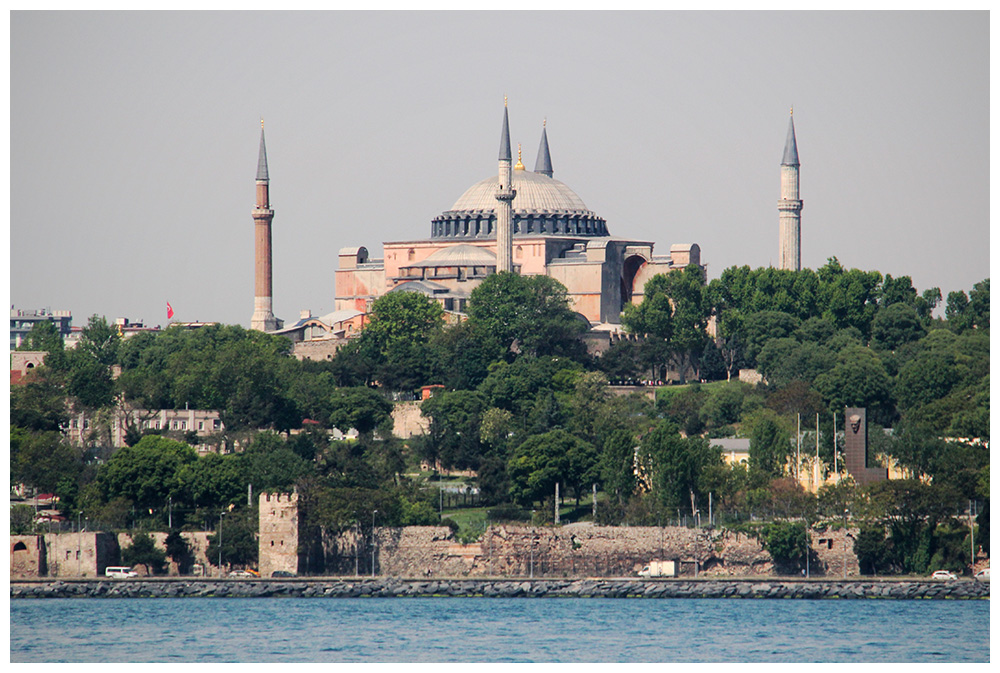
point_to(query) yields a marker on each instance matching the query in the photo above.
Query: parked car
(983, 575)
(282, 573)
(120, 572)
(943, 575)
(242, 573)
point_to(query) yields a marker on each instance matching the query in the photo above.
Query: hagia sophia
(517, 220)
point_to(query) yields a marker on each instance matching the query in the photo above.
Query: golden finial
(505, 100)
(261, 123)
(543, 121)
(791, 110)
(519, 166)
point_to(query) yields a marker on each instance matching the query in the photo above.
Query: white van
(120, 572)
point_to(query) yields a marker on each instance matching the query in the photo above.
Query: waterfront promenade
(359, 587)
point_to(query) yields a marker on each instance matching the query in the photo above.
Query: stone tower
(505, 195)
(263, 317)
(278, 540)
(790, 206)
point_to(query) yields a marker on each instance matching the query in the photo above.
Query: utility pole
(816, 467)
(835, 447)
(221, 514)
(593, 488)
(556, 518)
(798, 443)
(972, 538)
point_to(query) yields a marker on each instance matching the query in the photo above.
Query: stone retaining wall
(502, 588)
(583, 549)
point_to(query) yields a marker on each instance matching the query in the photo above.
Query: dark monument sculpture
(856, 448)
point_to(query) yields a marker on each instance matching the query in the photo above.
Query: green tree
(213, 480)
(178, 549)
(269, 464)
(617, 464)
(675, 310)
(786, 542)
(143, 551)
(39, 403)
(785, 360)
(674, 465)
(42, 460)
(872, 549)
(911, 511)
(858, 380)
(525, 314)
(769, 443)
(22, 519)
(849, 297)
(542, 460)
(761, 328)
(462, 356)
(44, 336)
(454, 429)
(148, 474)
(896, 325)
(238, 532)
(363, 409)
(400, 318)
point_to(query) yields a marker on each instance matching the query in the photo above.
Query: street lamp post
(374, 512)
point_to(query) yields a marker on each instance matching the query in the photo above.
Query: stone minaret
(790, 206)
(263, 317)
(505, 195)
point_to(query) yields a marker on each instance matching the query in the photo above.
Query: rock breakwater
(390, 587)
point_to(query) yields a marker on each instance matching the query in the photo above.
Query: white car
(983, 575)
(120, 572)
(943, 575)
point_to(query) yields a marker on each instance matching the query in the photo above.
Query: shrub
(507, 512)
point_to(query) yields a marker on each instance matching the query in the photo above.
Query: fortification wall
(577, 550)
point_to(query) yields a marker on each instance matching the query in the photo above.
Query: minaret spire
(791, 156)
(505, 135)
(543, 162)
(790, 205)
(505, 196)
(263, 317)
(262, 156)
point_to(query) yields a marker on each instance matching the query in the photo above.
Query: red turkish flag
(170, 311)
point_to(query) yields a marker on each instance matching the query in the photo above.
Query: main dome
(542, 206)
(535, 193)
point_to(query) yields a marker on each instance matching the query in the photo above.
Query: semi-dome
(459, 255)
(535, 192)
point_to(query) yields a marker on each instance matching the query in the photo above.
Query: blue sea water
(221, 630)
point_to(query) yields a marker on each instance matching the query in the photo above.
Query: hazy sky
(134, 141)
